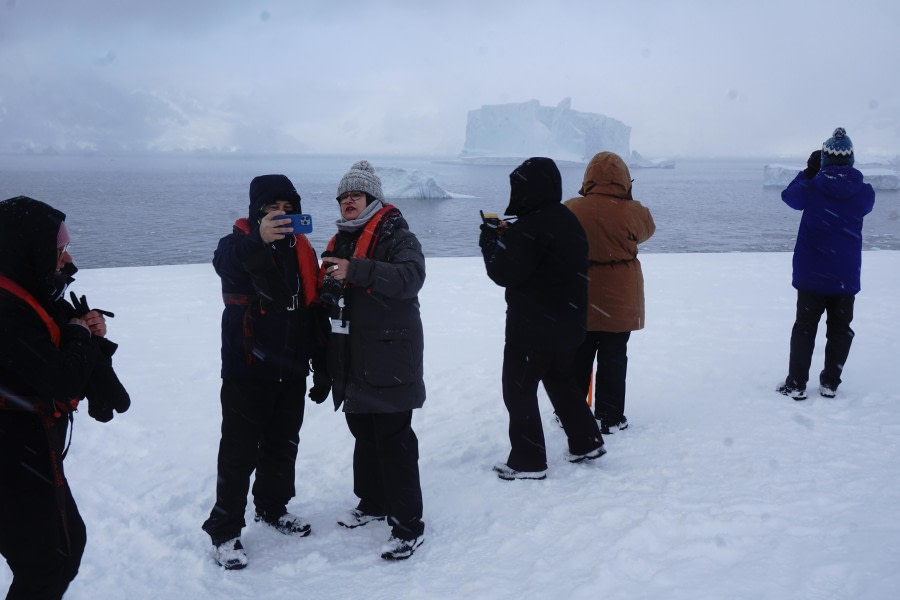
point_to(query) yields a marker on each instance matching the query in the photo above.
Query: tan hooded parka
(614, 224)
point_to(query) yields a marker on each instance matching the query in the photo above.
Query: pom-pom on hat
(838, 149)
(361, 178)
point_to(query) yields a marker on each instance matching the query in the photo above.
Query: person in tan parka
(615, 224)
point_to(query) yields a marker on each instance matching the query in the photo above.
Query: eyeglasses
(61, 251)
(355, 196)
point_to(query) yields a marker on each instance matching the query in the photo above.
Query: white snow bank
(720, 488)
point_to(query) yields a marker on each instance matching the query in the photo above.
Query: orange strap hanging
(306, 261)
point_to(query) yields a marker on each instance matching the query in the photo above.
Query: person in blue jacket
(827, 260)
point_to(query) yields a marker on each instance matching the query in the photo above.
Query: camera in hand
(332, 289)
(490, 219)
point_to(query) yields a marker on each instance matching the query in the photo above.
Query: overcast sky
(691, 78)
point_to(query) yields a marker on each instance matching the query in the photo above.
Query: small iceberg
(409, 185)
(639, 162)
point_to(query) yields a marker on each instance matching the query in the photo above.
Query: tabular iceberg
(404, 184)
(520, 130)
(880, 178)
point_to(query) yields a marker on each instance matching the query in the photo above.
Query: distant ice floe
(404, 184)
(878, 176)
(636, 161)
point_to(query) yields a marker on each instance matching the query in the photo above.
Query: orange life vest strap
(306, 262)
(17, 290)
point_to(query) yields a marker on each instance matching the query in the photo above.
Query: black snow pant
(838, 337)
(523, 370)
(386, 470)
(260, 431)
(42, 535)
(611, 350)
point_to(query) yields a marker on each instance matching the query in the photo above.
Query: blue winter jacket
(828, 252)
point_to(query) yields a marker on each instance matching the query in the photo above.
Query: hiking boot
(287, 524)
(826, 391)
(506, 473)
(230, 554)
(400, 549)
(357, 518)
(592, 455)
(607, 425)
(794, 392)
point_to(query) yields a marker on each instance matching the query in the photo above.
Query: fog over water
(691, 78)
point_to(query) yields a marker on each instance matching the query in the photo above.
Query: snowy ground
(720, 488)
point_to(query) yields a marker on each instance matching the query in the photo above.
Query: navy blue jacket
(828, 252)
(261, 339)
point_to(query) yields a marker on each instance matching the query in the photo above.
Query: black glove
(321, 386)
(104, 391)
(321, 380)
(82, 308)
(813, 164)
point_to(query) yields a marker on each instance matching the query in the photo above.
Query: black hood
(28, 230)
(266, 189)
(533, 184)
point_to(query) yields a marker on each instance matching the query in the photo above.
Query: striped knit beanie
(838, 149)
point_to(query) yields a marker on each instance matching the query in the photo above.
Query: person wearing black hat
(827, 260)
(272, 327)
(52, 355)
(541, 260)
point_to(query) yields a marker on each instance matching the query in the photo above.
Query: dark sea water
(159, 210)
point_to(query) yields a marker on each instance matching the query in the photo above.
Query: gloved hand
(813, 164)
(104, 391)
(321, 386)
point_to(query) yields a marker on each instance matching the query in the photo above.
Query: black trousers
(260, 431)
(42, 535)
(838, 337)
(386, 470)
(523, 370)
(611, 351)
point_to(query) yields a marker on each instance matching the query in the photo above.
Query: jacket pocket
(391, 357)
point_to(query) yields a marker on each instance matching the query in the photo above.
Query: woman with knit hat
(827, 260)
(371, 276)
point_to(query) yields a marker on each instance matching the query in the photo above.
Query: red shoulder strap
(243, 225)
(17, 290)
(309, 269)
(365, 245)
(306, 262)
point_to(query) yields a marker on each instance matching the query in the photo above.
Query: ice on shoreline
(879, 176)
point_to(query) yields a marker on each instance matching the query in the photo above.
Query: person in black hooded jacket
(50, 354)
(272, 327)
(541, 260)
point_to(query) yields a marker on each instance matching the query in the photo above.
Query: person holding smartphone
(272, 327)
